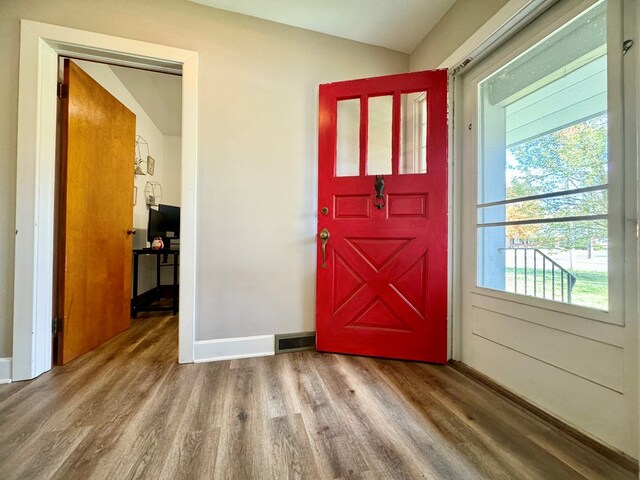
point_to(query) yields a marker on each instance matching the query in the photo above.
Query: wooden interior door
(382, 274)
(96, 215)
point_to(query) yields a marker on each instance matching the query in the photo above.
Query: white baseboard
(232, 348)
(5, 370)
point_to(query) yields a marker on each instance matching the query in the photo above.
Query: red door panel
(382, 283)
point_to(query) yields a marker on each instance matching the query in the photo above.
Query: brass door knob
(324, 236)
(131, 231)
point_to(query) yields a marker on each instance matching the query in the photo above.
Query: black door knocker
(379, 186)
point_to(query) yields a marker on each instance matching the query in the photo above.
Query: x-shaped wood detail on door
(396, 268)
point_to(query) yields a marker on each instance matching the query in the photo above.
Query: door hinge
(626, 46)
(56, 326)
(62, 90)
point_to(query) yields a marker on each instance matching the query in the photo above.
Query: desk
(138, 304)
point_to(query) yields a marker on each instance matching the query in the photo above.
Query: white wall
(171, 186)
(257, 150)
(171, 170)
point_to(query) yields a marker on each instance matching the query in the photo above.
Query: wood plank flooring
(128, 410)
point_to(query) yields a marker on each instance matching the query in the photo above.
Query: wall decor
(151, 164)
(141, 162)
(153, 193)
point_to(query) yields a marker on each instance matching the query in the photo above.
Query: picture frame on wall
(151, 164)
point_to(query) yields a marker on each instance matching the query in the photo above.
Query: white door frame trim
(40, 45)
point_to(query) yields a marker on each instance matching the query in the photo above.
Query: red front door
(382, 220)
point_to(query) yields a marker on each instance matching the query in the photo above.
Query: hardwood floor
(128, 410)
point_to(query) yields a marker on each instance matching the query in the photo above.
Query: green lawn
(591, 288)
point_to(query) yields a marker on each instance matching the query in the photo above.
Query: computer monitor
(157, 224)
(172, 221)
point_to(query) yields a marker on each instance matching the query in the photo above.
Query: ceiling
(159, 94)
(399, 25)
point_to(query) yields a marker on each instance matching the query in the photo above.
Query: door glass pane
(543, 157)
(413, 132)
(348, 138)
(379, 138)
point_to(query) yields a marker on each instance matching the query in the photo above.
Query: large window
(542, 213)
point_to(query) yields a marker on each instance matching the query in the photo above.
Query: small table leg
(158, 288)
(175, 283)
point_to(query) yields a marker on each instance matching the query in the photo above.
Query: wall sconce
(153, 193)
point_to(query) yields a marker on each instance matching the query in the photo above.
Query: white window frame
(617, 165)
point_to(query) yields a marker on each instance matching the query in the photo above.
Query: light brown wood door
(96, 212)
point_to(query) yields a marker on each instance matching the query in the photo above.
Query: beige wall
(459, 23)
(257, 150)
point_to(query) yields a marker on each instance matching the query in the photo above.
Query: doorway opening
(41, 45)
(118, 173)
